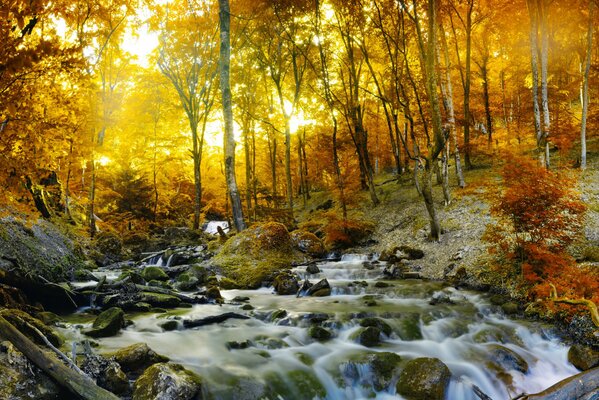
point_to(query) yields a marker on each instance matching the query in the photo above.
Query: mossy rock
(213, 293)
(378, 323)
(134, 277)
(108, 243)
(383, 368)
(167, 381)
(583, 357)
(270, 343)
(254, 256)
(137, 357)
(296, 385)
(510, 308)
(228, 283)
(409, 327)
(424, 378)
(278, 314)
(153, 273)
(170, 325)
(24, 323)
(319, 333)
(159, 299)
(286, 283)
(108, 323)
(187, 281)
(160, 284)
(308, 243)
(199, 272)
(369, 336)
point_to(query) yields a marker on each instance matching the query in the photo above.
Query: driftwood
(80, 385)
(215, 319)
(584, 302)
(584, 385)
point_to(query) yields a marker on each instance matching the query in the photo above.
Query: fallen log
(214, 319)
(584, 385)
(80, 385)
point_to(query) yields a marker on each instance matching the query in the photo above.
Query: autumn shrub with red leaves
(538, 216)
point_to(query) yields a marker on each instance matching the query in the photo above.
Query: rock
(238, 299)
(109, 244)
(170, 325)
(381, 284)
(166, 381)
(159, 299)
(137, 357)
(278, 314)
(285, 283)
(20, 379)
(409, 327)
(367, 265)
(227, 283)
(247, 307)
(153, 273)
(510, 308)
(583, 357)
(312, 269)
(393, 271)
(106, 372)
(377, 323)
(369, 336)
(132, 276)
(187, 282)
(440, 297)
(213, 293)
(320, 289)
(308, 243)
(234, 345)
(270, 343)
(200, 272)
(398, 253)
(108, 323)
(382, 368)
(319, 333)
(23, 322)
(160, 284)
(424, 378)
(506, 359)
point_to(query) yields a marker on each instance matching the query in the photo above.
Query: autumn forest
(461, 133)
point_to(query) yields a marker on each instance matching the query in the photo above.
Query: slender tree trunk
(305, 162)
(445, 175)
(585, 89)
(155, 170)
(92, 197)
(273, 165)
(248, 167)
(450, 109)
(427, 195)
(288, 165)
(229, 139)
(504, 107)
(197, 177)
(467, 149)
(488, 119)
(544, 73)
(532, 10)
(67, 191)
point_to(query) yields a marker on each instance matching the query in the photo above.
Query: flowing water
(282, 361)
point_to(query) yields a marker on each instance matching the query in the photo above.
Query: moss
(159, 299)
(108, 323)
(377, 323)
(319, 333)
(181, 383)
(152, 273)
(228, 283)
(25, 322)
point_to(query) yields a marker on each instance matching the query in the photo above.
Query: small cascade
(279, 359)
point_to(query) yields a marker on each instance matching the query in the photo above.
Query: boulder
(506, 359)
(169, 325)
(424, 378)
(278, 314)
(107, 373)
(312, 269)
(369, 336)
(137, 357)
(286, 283)
(308, 243)
(108, 323)
(319, 333)
(187, 282)
(159, 299)
(320, 289)
(153, 273)
(403, 252)
(583, 357)
(166, 381)
(382, 369)
(377, 323)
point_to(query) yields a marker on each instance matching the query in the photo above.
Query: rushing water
(283, 360)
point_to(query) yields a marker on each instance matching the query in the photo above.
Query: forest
(431, 164)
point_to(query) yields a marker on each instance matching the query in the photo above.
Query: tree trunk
(427, 195)
(585, 89)
(488, 119)
(80, 385)
(248, 167)
(544, 73)
(92, 199)
(532, 10)
(468, 60)
(229, 138)
(445, 175)
(450, 109)
(288, 164)
(197, 177)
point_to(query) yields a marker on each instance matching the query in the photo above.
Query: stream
(272, 355)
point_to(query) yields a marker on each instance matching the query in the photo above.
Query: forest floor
(401, 218)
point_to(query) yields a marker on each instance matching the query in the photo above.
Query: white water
(450, 332)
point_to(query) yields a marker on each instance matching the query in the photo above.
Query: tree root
(592, 307)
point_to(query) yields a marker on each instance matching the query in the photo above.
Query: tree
(188, 60)
(585, 90)
(229, 139)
